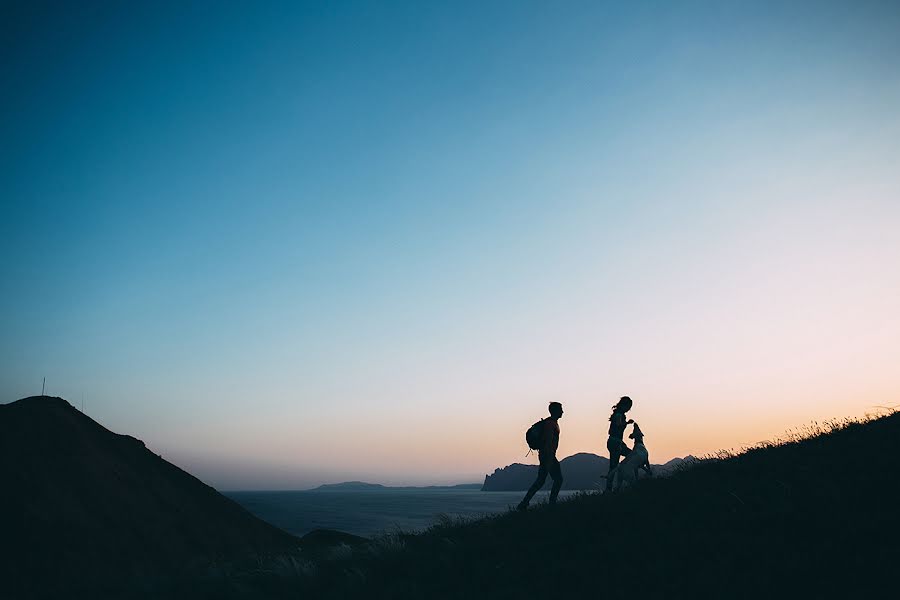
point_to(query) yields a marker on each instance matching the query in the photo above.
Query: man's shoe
(522, 507)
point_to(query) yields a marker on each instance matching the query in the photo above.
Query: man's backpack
(534, 437)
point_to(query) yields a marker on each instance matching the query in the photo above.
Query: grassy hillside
(813, 517)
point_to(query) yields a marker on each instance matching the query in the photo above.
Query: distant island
(362, 486)
(350, 486)
(582, 471)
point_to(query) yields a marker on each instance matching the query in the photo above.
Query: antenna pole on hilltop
(43, 383)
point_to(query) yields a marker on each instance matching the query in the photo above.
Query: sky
(294, 243)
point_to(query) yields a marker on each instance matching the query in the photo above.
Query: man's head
(555, 409)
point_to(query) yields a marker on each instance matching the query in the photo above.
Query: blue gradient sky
(288, 244)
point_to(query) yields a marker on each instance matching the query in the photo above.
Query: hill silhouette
(82, 505)
(582, 471)
(813, 517)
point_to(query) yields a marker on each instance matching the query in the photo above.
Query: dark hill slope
(811, 519)
(82, 505)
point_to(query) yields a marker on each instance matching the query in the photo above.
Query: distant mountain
(87, 505)
(674, 464)
(582, 471)
(362, 486)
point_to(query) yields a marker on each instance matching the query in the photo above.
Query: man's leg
(538, 484)
(556, 473)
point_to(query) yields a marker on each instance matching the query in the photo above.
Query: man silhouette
(547, 458)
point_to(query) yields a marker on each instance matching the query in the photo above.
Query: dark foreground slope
(811, 518)
(84, 507)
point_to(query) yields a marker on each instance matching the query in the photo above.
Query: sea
(370, 513)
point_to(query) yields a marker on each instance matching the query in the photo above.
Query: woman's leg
(615, 448)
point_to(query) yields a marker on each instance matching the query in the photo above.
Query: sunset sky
(287, 244)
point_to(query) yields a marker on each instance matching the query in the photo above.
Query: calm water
(372, 512)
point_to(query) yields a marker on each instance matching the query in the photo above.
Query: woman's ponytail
(624, 400)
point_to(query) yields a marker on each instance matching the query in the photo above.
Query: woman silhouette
(615, 444)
